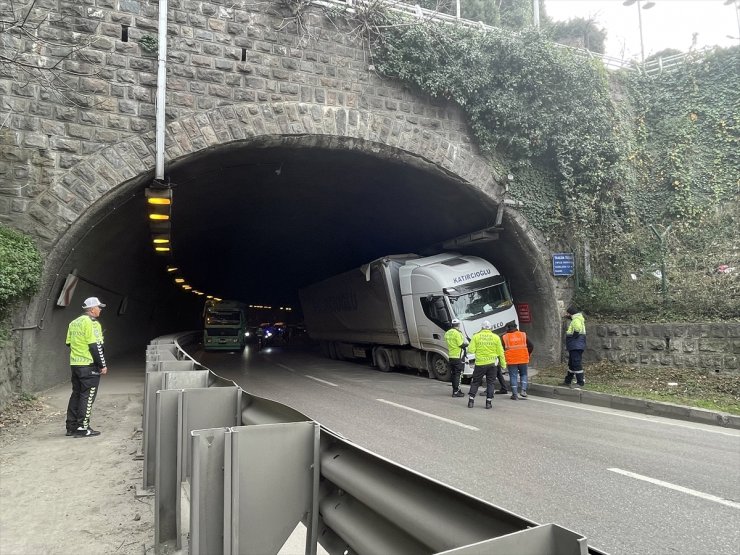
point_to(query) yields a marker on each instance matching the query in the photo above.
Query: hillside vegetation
(20, 272)
(634, 173)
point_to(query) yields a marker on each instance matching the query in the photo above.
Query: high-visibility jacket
(487, 347)
(575, 335)
(85, 340)
(515, 346)
(455, 341)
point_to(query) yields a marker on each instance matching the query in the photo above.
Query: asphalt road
(632, 484)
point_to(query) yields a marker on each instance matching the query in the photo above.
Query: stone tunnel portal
(255, 221)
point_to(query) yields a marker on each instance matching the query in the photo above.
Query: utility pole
(663, 281)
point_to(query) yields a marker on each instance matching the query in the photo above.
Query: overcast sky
(669, 24)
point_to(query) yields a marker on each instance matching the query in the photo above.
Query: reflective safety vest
(83, 332)
(487, 348)
(455, 341)
(515, 344)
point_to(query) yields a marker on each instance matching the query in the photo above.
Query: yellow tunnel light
(179, 280)
(209, 296)
(159, 217)
(172, 268)
(158, 195)
(160, 240)
(162, 249)
(186, 287)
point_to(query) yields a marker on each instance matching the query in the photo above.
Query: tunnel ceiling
(256, 224)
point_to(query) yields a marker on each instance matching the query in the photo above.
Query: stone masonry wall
(713, 346)
(219, 55)
(8, 370)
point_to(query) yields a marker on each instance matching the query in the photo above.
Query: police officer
(489, 352)
(87, 361)
(456, 344)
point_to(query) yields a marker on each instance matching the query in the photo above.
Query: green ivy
(20, 270)
(688, 149)
(528, 101)
(594, 171)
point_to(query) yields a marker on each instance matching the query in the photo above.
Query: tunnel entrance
(257, 220)
(257, 223)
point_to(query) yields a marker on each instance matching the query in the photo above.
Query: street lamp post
(649, 4)
(736, 5)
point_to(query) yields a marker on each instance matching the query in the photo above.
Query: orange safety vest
(515, 345)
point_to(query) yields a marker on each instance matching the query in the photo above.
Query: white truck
(395, 310)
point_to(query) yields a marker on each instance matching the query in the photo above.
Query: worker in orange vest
(517, 348)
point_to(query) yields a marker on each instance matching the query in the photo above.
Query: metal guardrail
(414, 10)
(253, 469)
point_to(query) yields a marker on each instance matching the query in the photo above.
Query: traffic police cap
(92, 302)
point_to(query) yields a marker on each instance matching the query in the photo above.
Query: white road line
(652, 419)
(682, 489)
(430, 415)
(289, 369)
(322, 381)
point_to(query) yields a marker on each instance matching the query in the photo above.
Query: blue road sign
(563, 264)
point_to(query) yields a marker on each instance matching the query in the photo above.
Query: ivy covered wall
(639, 174)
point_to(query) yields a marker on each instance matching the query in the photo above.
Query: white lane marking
(430, 415)
(322, 381)
(289, 369)
(634, 417)
(682, 489)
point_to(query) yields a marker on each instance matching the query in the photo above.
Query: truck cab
(438, 288)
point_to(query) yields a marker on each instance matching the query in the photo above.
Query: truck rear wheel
(440, 368)
(383, 360)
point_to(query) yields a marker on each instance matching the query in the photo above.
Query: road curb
(642, 406)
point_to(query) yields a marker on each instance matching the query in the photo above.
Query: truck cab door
(432, 320)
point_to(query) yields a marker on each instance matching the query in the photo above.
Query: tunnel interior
(256, 221)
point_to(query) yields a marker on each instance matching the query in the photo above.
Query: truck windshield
(480, 298)
(223, 318)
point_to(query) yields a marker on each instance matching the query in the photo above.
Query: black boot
(471, 402)
(489, 404)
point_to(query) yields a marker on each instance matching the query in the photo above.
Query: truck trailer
(394, 311)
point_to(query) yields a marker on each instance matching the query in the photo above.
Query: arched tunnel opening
(257, 220)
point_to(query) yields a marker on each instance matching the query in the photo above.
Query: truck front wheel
(440, 368)
(383, 360)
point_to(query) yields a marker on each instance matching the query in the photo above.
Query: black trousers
(456, 368)
(487, 370)
(85, 381)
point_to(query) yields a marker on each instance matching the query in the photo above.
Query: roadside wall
(712, 346)
(8, 371)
